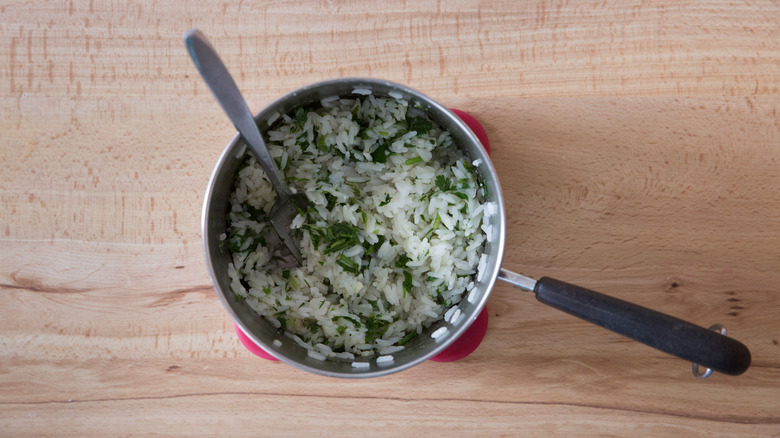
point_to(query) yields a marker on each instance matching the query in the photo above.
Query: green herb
(266, 290)
(462, 195)
(402, 260)
(407, 338)
(239, 297)
(256, 214)
(420, 124)
(435, 225)
(375, 328)
(443, 183)
(340, 236)
(355, 189)
(370, 248)
(348, 264)
(286, 274)
(386, 201)
(311, 325)
(354, 321)
(300, 115)
(436, 221)
(341, 329)
(414, 160)
(381, 153)
(407, 283)
(439, 299)
(315, 234)
(245, 240)
(332, 200)
(321, 144)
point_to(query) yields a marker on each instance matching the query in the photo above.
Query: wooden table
(639, 150)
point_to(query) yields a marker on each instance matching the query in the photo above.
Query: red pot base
(471, 338)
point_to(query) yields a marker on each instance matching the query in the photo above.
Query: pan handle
(663, 332)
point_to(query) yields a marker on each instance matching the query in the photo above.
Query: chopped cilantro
(407, 283)
(348, 264)
(321, 144)
(435, 225)
(381, 153)
(443, 183)
(300, 115)
(340, 236)
(420, 124)
(386, 201)
(354, 321)
(375, 328)
(414, 160)
(402, 260)
(311, 325)
(408, 337)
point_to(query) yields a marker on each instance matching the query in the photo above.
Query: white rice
(391, 234)
(314, 355)
(441, 331)
(241, 151)
(384, 359)
(274, 117)
(456, 317)
(448, 315)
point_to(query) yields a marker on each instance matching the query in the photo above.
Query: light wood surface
(637, 143)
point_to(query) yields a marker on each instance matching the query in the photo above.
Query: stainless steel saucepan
(706, 347)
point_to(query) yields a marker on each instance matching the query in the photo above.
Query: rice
(384, 359)
(441, 331)
(391, 228)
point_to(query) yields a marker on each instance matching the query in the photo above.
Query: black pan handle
(663, 332)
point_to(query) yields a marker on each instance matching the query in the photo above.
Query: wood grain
(637, 144)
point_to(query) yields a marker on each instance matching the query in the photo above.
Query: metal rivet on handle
(708, 371)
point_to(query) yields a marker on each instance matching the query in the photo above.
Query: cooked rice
(391, 236)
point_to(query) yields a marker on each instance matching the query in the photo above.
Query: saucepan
(707, 347)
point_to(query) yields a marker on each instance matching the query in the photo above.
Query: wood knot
(672, 283)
